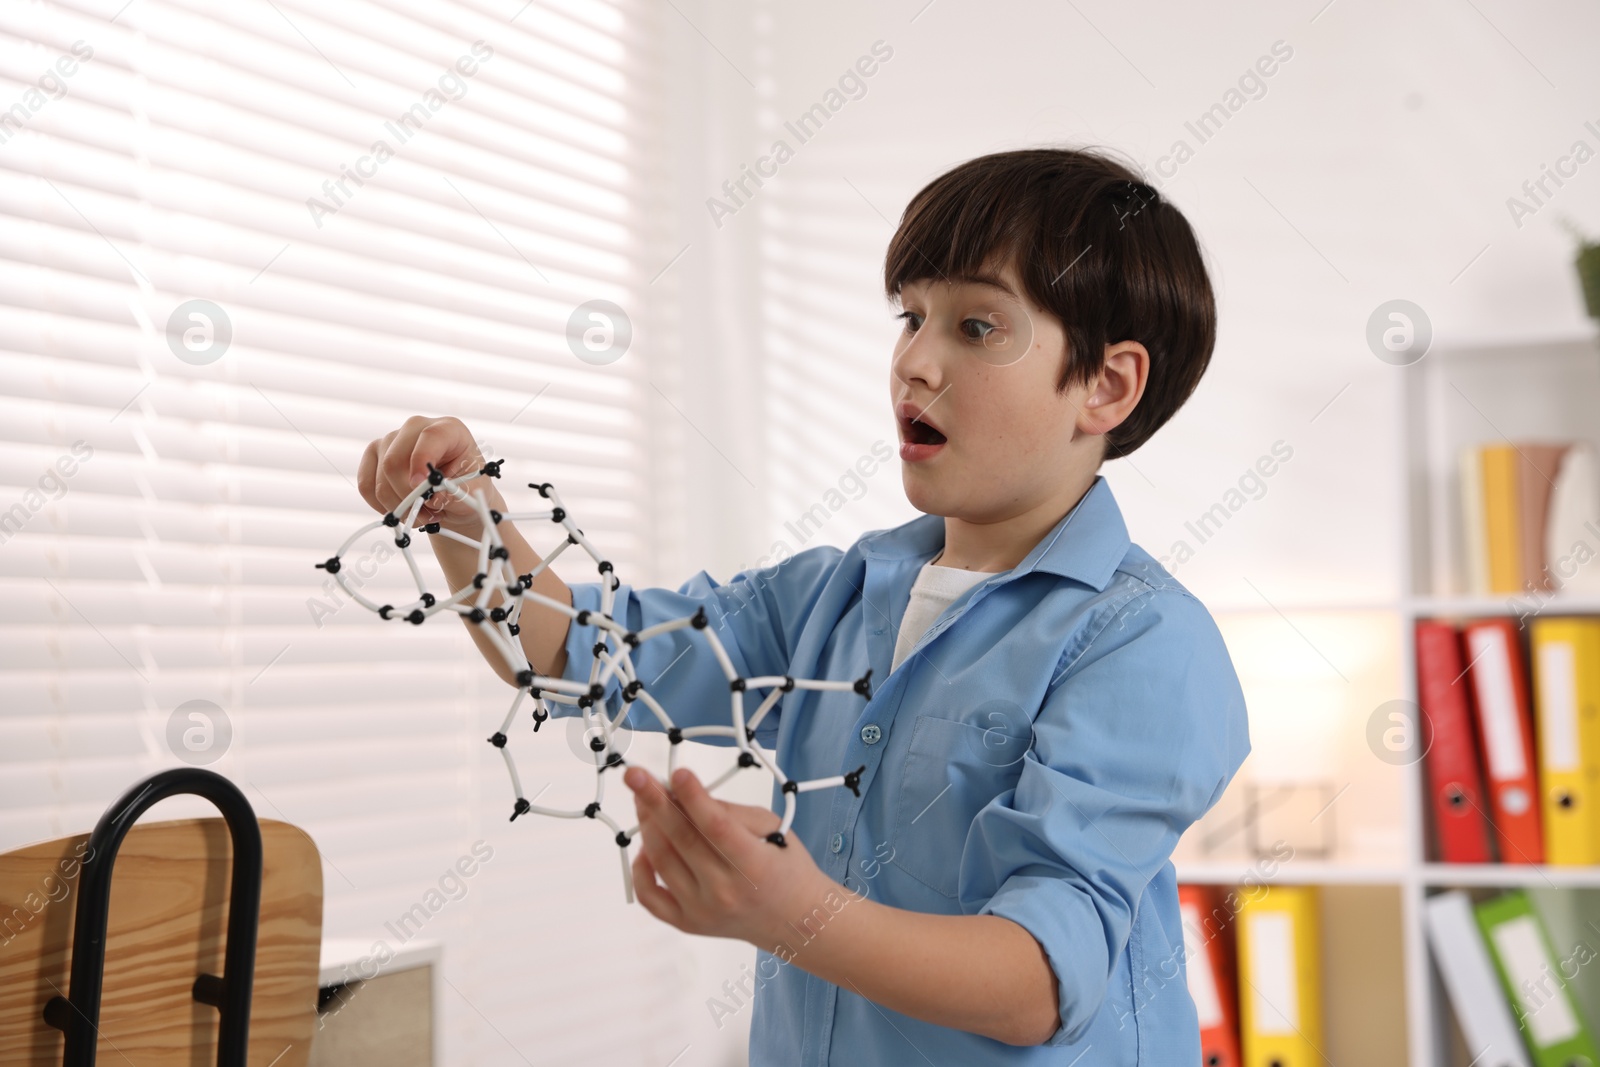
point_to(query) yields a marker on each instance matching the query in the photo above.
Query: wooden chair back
(168, 922)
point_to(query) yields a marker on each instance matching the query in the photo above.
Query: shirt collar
(1096, 545)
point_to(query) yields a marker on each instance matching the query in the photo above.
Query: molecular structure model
(612, 654)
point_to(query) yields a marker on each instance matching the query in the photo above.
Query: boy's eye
(972, 329)
(977, 329)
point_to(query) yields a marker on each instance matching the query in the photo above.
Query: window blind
(382, 209)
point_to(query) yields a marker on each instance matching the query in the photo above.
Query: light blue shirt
(1036, 757)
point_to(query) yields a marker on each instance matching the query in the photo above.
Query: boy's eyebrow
(990, 281)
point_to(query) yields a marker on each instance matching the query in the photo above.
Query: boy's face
(984, 434)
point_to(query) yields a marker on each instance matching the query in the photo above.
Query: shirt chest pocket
(951, 770)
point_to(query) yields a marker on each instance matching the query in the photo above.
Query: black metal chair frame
(78, 1014)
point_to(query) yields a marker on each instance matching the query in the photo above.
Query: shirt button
(870, 733)
(837, 842)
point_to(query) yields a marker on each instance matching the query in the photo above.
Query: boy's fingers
(703, 831)
(446, 445)
(665, 857)
(655, 834)
(699, 823)
(395, 466)
(656, 900)
(367, 477)
(382, 492)
(644, 785)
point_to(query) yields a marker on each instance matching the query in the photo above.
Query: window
(381, 210)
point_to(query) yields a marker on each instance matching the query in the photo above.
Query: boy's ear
(1113, 396)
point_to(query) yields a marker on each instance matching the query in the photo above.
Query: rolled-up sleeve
(1141, 729)
(757, 616)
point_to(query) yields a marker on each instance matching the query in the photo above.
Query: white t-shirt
(935, 589)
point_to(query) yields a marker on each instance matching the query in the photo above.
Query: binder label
(1558, 706)
(1548, 1016)
(1491, 667)
(1275, 995)
(1202, 982)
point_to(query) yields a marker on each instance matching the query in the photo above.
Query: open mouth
(917, 430)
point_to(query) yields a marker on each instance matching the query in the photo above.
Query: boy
(1050, 708)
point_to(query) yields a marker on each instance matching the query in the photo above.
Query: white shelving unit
(1452, 398)
(1455, 396)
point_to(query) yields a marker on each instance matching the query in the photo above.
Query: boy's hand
(393, 465)
(723, 878)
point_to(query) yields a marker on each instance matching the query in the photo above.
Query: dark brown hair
(1093, 245)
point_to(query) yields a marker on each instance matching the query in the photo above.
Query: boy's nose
(917, 362)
